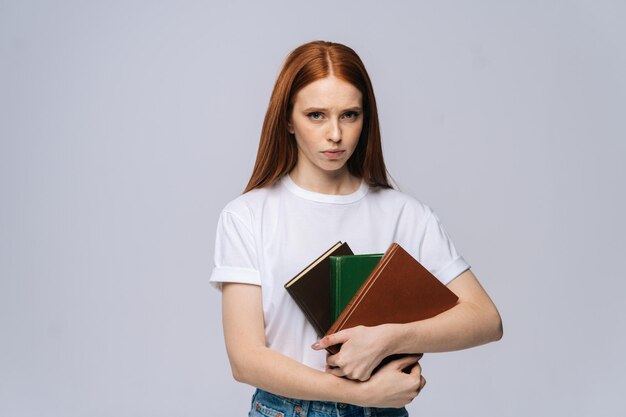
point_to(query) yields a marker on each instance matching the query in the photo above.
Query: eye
(315, 115)
(350, 115)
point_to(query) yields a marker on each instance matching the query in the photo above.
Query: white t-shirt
(268, 235)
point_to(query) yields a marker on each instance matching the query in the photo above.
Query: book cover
(399, 290)
(347, 274)
(310, 288)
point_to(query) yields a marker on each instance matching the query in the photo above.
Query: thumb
(406, 361)
(331, 339)
(416, 369)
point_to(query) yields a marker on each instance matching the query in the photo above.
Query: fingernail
(315, 345)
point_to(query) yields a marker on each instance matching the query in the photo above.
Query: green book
(347, 274)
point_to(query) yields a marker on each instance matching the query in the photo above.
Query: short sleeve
(438, 254)
(235, 258)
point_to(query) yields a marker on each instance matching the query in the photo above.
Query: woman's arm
(473, 321)
(255, 364)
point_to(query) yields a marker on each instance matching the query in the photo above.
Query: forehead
(328, 92)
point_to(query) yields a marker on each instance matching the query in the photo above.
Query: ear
(290, 127)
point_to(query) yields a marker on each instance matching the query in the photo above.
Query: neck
(339, 182)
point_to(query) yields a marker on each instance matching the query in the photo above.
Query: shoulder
(244, 206)
(398, 201)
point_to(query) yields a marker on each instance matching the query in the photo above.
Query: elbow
(238, 371)
(237, 374)
(497, 330)
(489, 323)
(490, 327)
(241, 366)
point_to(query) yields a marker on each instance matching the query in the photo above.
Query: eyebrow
(321, 109)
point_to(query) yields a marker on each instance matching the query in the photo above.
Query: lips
(333, 153)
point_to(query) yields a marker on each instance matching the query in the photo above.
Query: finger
(330, 340)
(336, 371)
(332, 360)
(405, 361)
(422, 384)
(362, 376)
(416, 370)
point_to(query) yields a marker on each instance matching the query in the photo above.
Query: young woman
(320, 178)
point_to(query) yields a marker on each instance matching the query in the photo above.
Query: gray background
(126, 126)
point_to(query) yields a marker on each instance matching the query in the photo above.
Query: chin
(332, 167)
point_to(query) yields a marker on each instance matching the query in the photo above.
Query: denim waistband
(272, 405)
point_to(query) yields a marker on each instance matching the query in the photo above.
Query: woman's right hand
(391, 387)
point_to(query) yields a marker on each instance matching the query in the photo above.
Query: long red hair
(278, 152)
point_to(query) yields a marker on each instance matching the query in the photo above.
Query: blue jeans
(266, 404)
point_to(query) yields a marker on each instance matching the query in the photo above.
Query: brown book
(310, 289)
(399, 290)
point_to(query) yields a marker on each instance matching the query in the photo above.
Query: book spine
(336, 274)
(333, 287)
(347, 311)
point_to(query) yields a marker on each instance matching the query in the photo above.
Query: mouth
(333, 153)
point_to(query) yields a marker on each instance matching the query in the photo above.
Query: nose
(335, 131)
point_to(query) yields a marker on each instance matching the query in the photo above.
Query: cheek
(306, 135)
(303, 140)
(355, 132)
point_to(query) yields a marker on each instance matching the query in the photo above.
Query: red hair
(278, 152)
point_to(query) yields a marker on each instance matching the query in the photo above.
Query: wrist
(357, 394)
(392, 336)
(344, 390)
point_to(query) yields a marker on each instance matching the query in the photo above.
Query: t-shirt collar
(325, 198)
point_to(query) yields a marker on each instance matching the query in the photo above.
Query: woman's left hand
(362, 349)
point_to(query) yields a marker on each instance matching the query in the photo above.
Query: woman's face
(326, 119)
